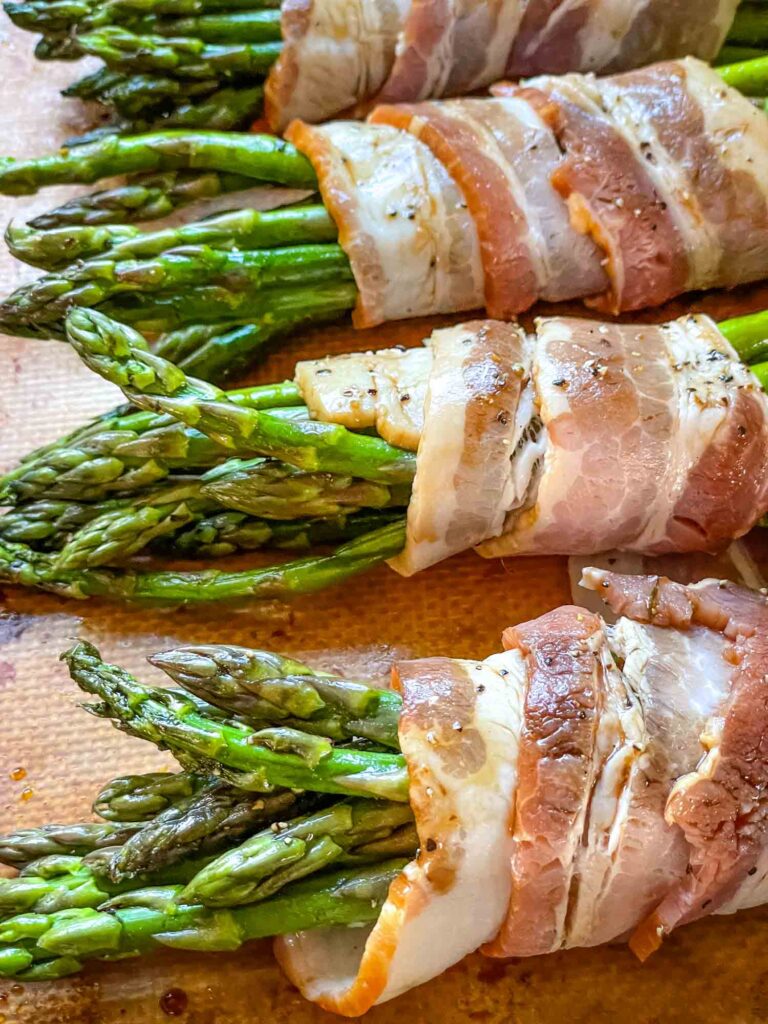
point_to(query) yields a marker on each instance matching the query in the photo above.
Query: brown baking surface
(715, 971)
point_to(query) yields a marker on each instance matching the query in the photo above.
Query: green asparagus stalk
(134, 96)
(92, 283)
(242, 229)
(51, 250)
(749, 77)
(227, 109)
(128, 451)
(735, 54)
(58, 46)
(61, 942)
(145, 198)
(228, 532)
(19, 848)
(92, 86)
(748, 335)
(270, 860)
(119, 354)
(143, 797)
(46, 523)
(260, 157)
(256, 687)
(54, 17)
(203, 824)
(750, 26)
(258, 26)
(121, 9)
(277, 757)
(184, 57)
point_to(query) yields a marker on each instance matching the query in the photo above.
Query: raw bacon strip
(612, 197)
(402, 221)
(722, 806)
(449, 47)
(335, 53)
(615, 35)
(464, 485)
(386, 390)
(501, 148)
(557, 769)
(706, 146)
(656, 441)
(458, 732)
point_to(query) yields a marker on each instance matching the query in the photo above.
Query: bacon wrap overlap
(583, 437)
(623, 191)
(341, 56)
(593, 782)
(458, 732)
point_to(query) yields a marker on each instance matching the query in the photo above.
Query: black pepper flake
(322, 371)
(431, 845)
(503, 418)
(373, 392)
(405, 398)
(561, 382)
(752, 871)
(481, 688)
(742, 431)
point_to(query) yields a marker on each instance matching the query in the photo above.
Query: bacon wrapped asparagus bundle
(619, 191)
(203, 62)
(590, 782)
(578, 438)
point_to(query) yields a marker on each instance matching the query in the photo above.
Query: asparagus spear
(164, 718)
(224, 533)
(29, 844)
(268, 861)
(224, 110)
(142, 797)
(242, 229)
(50, 250)
(258, 26)
(185, 57)
(119, 354)
(92, 283)
(257, 487)
(351, 897)
(145, 198)
(41, 16)
(178, 8)
(260, 157)
(138, 95)
(255, 686)
(205, 823)
(128, 451)
(46, 523)
(91, 86)
(58, 46)
(750, 26)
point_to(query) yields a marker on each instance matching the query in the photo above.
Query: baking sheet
(715, 971)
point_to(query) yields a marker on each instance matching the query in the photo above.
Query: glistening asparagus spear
(91, 283)
(261, 157)
(60, 942)
(23, 566)
(119, 354)
(143, 797)
(179, 8)
(19, 848)
(259, 687)
(268, 861)
(258, 26)
(275, 757)
(185, 57)
(46, 524)
(145, 198)
(227, 109)
(242, 229)
(205, 823)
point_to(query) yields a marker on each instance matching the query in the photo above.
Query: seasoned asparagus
(261, 157)
(143, 797)
(255, 686)
(278, 757)
(29, 844)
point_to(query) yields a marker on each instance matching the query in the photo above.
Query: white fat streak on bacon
(711, 383)
(673, 682)
(722, 805)
(571, 262)
(451, 46)
(385, 389)
(458, 732)
(402, 222)
(335, 53)
(606, 399)
(463, 487)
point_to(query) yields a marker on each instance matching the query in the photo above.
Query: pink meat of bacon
(722, 806)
